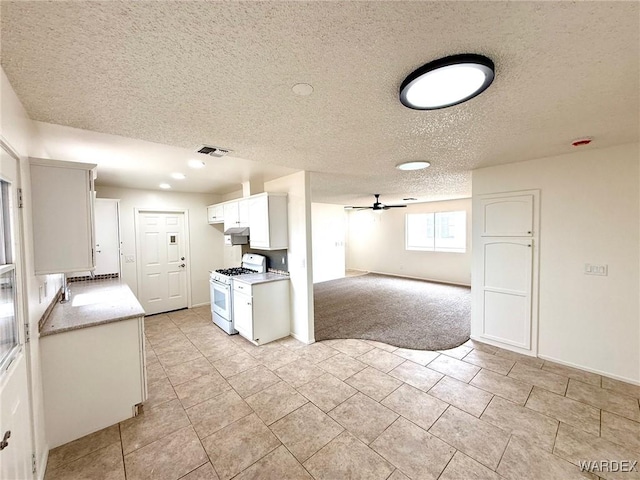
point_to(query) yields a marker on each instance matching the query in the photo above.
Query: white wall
(299, 251)
(18, 132)
(590, 205)
(205, 241)
(329, 228)
(376, 243)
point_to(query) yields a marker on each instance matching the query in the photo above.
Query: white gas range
(221, 284)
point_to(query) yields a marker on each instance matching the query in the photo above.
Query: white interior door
(506, 244)
(162, 263)
(107, 236)
(15, 411)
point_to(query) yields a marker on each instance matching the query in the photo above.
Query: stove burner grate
(235, 271)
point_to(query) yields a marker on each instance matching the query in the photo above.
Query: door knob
(182, 266)
(182, 258)
(4, 443)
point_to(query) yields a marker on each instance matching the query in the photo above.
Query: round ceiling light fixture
(447, 81)
(414, 165)
(178, 176)
(165, 186)
(302, 89)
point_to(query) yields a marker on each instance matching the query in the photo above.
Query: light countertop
(93, 302)
(254, 278)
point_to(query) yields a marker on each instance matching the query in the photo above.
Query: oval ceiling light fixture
(178, 176)
(196, 164)
(447, 81)
(415, 165)
(165, 186)
(302, 89)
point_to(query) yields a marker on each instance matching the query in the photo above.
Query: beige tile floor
(220, 408)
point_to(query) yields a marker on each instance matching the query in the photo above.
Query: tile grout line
(124, 465)
(503, 452)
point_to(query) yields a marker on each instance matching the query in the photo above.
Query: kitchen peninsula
(93, 360)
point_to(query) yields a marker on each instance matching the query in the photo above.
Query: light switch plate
(129, 259)
(601, 270)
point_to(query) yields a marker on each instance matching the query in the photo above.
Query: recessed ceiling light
(410, 199)
(178, 176)
(196, 163)
(302, 89)
(416, 165)
(447, 81)
(164, 186)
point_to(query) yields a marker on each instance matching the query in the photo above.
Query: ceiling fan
(376, 205)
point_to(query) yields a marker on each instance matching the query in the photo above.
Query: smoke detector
(212, 151)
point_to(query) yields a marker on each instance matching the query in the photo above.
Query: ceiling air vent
(212, 151)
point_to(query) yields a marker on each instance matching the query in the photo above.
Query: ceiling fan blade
(377, 205)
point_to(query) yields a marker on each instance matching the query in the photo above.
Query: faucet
(66, 290)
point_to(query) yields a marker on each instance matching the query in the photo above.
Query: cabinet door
(63, 222)
(243, 213)
(211, 215)
(230, 215)
(259, 222)
(243, 314)
(215, 214)
(507, 216)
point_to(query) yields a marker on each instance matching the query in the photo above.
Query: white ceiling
(186, 73)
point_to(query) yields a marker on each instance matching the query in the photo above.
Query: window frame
(436, 231)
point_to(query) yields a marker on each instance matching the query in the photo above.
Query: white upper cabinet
(507, 216)
(62, 195)
(268, 221)
(215, 214)
(236, 214)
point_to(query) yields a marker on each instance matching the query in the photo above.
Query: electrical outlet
(601, 270)
(40, 293)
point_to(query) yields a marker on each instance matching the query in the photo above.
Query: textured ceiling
(186, 73)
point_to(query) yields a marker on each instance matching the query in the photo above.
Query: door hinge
(27, 336)
(19, 192)
(33, 463)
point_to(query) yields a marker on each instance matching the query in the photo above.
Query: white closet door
(506, 290)
(506, 272)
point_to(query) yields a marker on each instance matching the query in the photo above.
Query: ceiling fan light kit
(447, 81)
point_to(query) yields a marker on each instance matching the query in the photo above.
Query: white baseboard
(422, 278)
(303, 340)
(592, 370)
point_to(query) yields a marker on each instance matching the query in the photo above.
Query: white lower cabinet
(261, 310)
(92, 378)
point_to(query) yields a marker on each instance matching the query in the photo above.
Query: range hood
(240, 231)
(236, 236)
